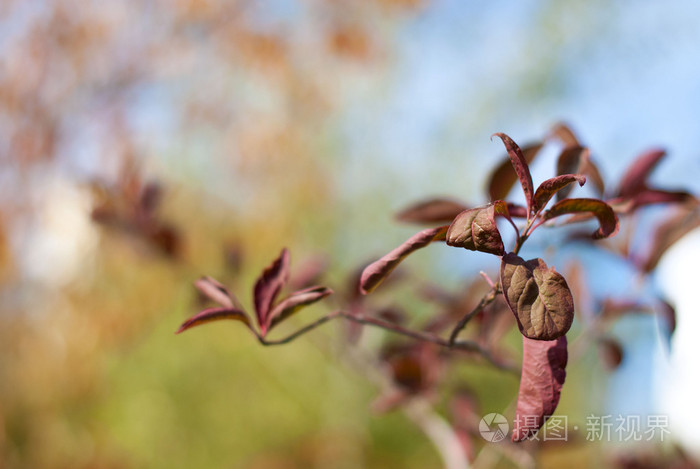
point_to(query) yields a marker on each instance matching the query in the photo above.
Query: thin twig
(465, 345)
(484, 302)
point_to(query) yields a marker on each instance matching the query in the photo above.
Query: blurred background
(144, 144)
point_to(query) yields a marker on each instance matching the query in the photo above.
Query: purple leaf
(431, 211)
(609, 224)
(658, 196)
(215, 314)
(517, 211)
(635, 178)
(294, 303)
(475, 229)
(543, 375)
(215, 291)
(551, 186)
(268, 287)
(519, 163)
(374, 273)
(538, 296)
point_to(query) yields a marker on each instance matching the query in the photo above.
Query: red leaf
(538, 296)
(215, 314)
(475, 229)
(295, 302)
(519, 163)
(609, 224)
(551, 186)
(268, 287)
(504, 176)
(635, 178)
(431, 211)
(374, 273)
(543, 375)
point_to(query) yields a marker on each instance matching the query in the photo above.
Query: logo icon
(493, 427)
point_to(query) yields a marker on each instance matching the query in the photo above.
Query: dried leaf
(548, 188)
(295, 302)
(520, 165)
(431, 211)
(215, 314)
(475, 229)
(538, 296)
(268, 287)
(609, 224)
(374, 273)
(543, 375)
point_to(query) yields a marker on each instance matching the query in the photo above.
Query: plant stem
(485, 301)
(466, 345)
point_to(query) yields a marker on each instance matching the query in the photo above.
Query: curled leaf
(268, 287)
(609, 224)
(543, 375)
(215, 314)
(431, 211)
(520, 165)
(295, 302)
(504, 176)
(538, 296)
(475, 229)
(548, 188)
(577, 160)
(374, 273)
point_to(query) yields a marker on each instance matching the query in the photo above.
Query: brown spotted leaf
(295, 302)
(548, 188)
(215, 314)
(538, 296)
(268, 287)
(475, 229)
(374, 273)
(543, 375)
(431, 211)
(609, 224)
(520, 164)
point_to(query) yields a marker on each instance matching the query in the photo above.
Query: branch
(466, 345)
